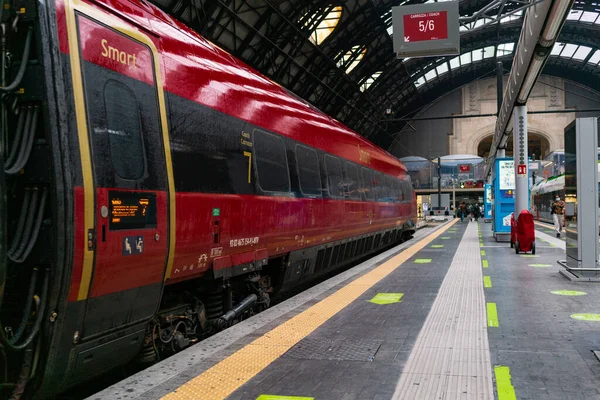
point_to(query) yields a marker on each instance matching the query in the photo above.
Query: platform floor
(451, 314)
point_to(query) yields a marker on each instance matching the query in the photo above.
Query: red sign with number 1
(425, 26)
(521, 169)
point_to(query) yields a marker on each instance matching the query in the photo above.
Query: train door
(128, 156)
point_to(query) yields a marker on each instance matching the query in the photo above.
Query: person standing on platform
(557, 212)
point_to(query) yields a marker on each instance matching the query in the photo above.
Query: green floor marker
(487, 282)
(422, 261)
(387, 298)
(492, 315)
(529, 256)
(540, 265)
(586, 317)
(437, 246)
(482, 252)
(445, 237)
(275, 397)
(484, 263)
(568, 292)
(506, 391)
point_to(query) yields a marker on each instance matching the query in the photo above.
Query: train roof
(197, 69)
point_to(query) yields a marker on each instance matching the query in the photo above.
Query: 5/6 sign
(425, 26)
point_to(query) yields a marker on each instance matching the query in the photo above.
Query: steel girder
(270, 36)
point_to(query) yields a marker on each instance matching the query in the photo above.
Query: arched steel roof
(271, 36)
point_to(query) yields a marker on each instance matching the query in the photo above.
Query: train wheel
(517, 247)
(533, 248)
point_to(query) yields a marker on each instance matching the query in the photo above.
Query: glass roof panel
(488, 52)
(589, 17)
(420, 82)
(430, 75)
(477, 55)
(505, 49)
(370, 80)
(352, 58)
(582, 52)
(595, 58)
(575, 15)
(327, 24)
(442, 68)
(455, 63)
(465, 59)
(557, 48)
(569, 50)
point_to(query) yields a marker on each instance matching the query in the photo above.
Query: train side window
(352, 181)
(333, 170)
(367, 186)
(271, 162)
(377, 186)
(308, 170)
(124, 131)
(399, 190)
(407, 191)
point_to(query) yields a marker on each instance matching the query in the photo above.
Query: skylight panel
(370, 80)
(465, 58)
(569, 50)
(574, 15)
(420, 82)
(595, 58)
(582, 52)
(455, 63)
(442, 68)
(324, 28)
(431, 75)
(477, 55)
(557, 48)
(589, 17)
(488, 52)
(505, 49)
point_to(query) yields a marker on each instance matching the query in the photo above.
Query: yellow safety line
(227, 376)
(506, 391)
(492, 315)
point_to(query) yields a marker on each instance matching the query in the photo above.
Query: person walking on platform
(557, 212)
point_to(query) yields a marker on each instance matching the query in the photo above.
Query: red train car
(158, 189)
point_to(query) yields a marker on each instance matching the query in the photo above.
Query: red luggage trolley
(525, 233)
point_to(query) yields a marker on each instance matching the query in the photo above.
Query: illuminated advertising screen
(506, 174)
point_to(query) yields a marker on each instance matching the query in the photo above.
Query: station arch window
(271, 162)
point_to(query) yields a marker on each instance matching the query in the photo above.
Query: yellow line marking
(484, 263)
(506, 391)
(487, 282)
(227, 376)
(492, 315)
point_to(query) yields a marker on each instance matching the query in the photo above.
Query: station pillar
(521, 159)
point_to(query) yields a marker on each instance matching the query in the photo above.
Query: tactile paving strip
(341, 350)
(451, 357)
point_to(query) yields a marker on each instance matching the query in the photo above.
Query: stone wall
(462, 136)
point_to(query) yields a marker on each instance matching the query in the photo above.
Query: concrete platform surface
(451, 314)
